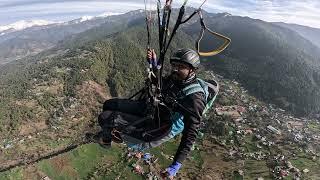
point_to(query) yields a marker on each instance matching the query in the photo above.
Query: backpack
(209, 88)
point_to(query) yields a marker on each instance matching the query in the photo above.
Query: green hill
(273, 63)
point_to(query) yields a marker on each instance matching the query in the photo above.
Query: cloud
(11, 11)
(306, 12)
(15, 3)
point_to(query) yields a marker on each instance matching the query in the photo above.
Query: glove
(172, 170)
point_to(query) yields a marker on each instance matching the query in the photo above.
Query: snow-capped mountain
(23, 24)
(24, 38)
(220, 15)
(79, 20)
(106, 14)
(88, 18)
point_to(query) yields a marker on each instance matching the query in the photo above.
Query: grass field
(255, 169)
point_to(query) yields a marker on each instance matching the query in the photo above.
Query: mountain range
(26, 38)
(54, 79)
(311, 34)
(275, 63)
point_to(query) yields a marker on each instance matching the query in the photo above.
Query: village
(249, 130)
(266, 133)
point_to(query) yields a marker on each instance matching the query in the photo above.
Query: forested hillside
(42, 86)
(274, 63)
(311, 34)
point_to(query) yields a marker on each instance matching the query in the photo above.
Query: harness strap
(193, 88)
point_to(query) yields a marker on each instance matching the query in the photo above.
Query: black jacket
(195, 103)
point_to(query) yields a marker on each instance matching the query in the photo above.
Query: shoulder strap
(204, 86)
(200, 86)
(214, 85)
(192, 88)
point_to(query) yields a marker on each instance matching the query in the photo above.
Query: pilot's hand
(169, 102)
(171, 171)
(152, 57)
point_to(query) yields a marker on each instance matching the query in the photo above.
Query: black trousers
(132, 117)
(120, 113)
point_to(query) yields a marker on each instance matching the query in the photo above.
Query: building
(273, 130)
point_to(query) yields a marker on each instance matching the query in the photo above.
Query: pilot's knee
(105, 118)
(110, 104)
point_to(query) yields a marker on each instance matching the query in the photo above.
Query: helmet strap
(190, 76)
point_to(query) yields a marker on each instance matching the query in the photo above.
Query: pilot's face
(180, 71)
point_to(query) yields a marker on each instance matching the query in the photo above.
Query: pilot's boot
(102, 138)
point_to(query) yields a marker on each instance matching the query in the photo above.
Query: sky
(304, 12)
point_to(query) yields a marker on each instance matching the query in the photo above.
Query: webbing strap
(193, 89)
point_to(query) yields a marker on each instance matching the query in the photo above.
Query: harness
(209, 89)
(154, 81)
(152, 91)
